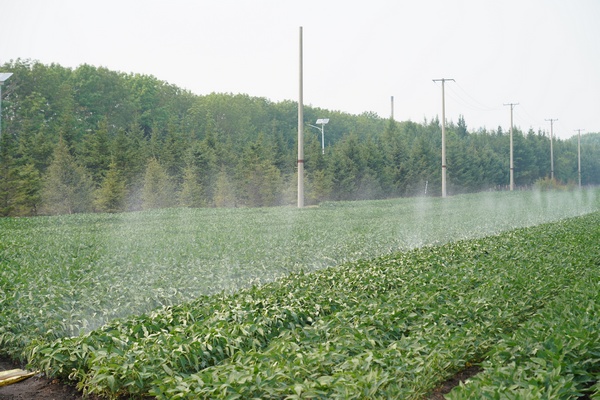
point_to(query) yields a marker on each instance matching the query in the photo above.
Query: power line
(527, 118)
(564, 128)
(462, 101)
(473, 103)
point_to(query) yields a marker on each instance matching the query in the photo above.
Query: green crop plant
(327, 301)
(394, 326)
(555, 354)
(406, 339)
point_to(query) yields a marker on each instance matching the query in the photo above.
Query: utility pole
(300, 135)
(3, 77)
(551, 150)
(512, 167)
(392, 116)
(443, 80)
(579, 155)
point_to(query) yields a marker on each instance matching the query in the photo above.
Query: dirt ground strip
(36, 387)
(41, 388)
(446, 387)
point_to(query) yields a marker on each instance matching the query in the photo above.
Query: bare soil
(446, 387)
(41, 388)
(37, 388)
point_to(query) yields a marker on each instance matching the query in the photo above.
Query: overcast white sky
(542, 54)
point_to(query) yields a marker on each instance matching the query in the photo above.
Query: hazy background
(544, 55)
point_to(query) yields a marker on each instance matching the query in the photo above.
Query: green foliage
(224, 190)
(8, 177)
(94, 153)
(185, 302)
(552, 355)
(27, 196)
(129, 151)
(111, 195)
(158, 191)
(192, 194)
(105, 116)
(320, 186)
(66, 187)
(392, 327)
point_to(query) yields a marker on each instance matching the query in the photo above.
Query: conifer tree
(248, 143)
(319, 186)
(111, 195)
(66, 187)
(263, 185)
(204, 155)
(129, 151)
(95, 152)
(191, 194)
(158, 190)
(28, 195)
(8, 174)
(224, 191)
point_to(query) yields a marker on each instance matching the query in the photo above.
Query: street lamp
(3, 77)
(322, 122)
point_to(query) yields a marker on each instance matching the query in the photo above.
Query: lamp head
(4, 76)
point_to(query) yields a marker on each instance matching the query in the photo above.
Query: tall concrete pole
(443, 80)
(1, 111)
(551, 149)
(300, 134)
(579, 155)
(512, 167)
(3, 77)
(392, 115)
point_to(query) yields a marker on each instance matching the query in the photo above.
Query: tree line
(94, 140)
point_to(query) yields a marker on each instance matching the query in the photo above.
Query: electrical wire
(567, 131)
(456, 97)
(523, 115)
(475, 102)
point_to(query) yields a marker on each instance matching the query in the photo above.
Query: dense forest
(94, 140)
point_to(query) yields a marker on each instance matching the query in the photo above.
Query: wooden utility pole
(443, 80)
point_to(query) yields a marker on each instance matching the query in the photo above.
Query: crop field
(381, 299)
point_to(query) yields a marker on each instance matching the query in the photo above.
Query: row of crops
(282, 302)
(554, 355)
(525, 303)
(62, 276)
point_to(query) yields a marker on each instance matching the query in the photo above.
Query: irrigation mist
(115, 265)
